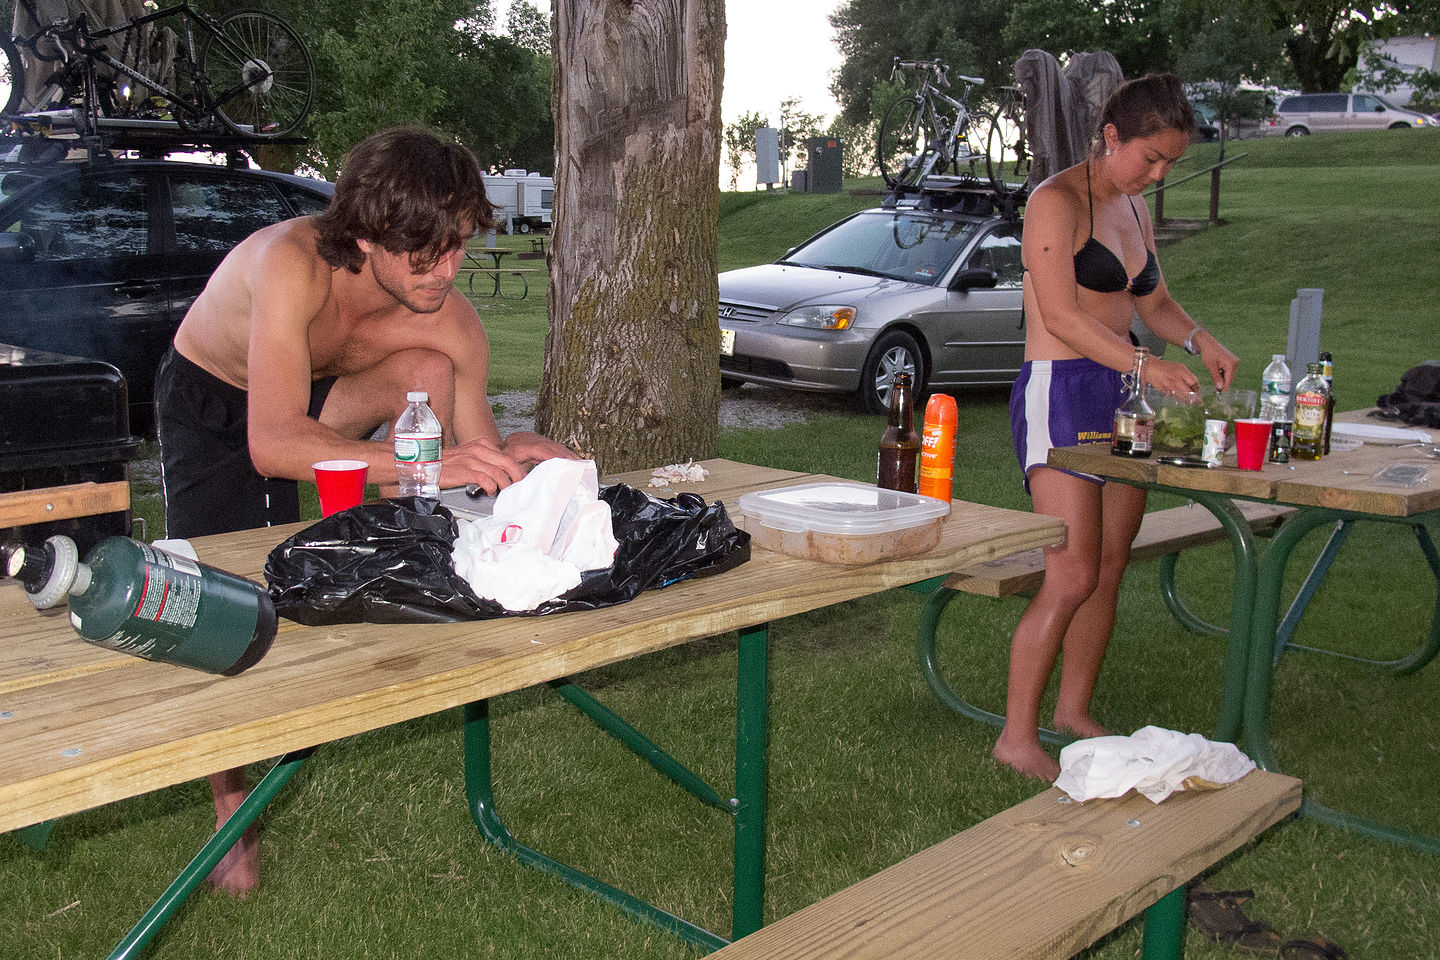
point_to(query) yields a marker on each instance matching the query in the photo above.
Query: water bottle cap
(417, 396)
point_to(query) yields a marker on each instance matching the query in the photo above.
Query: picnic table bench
(1041, 880)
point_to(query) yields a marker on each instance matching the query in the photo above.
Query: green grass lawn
(370, 853)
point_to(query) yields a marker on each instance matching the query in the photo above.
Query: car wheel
(1297, 132)
(730, 383)
(895, 352)
(523, 226)
(1397, 125)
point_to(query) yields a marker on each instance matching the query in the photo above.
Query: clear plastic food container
(841, 522)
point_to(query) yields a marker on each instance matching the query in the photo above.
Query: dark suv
(101, 258)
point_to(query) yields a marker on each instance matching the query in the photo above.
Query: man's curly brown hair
(408, 191)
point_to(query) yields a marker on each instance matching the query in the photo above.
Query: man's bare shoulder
(287, 247)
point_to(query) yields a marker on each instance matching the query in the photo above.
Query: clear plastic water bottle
(417, 448)
(1275, 389)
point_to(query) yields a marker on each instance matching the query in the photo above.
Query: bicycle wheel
(903, 141)
(965, 157)
(12, 76)
(260, 75)
(1007, 159)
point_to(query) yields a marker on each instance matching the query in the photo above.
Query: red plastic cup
(341, 484)
(1252, 442)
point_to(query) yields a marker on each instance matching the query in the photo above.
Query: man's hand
(480, 462)
(532, 448)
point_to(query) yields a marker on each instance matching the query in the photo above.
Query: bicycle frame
(85, 43)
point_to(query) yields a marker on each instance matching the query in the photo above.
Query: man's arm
(288, 287)
(479, 451)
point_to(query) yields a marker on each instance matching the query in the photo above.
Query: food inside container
(843, 522)
(1180, 423)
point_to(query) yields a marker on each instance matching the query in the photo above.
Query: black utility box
(826, 163)
(63, 420)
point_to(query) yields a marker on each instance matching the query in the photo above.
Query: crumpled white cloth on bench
(545, 530)
(1154, 761)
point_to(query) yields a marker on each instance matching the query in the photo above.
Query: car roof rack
(957, 195)
(52, 134)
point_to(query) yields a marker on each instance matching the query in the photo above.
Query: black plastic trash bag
(1416, 400)
(389, 562)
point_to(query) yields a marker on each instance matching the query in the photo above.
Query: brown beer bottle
(899, 444)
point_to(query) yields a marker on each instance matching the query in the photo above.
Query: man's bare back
(348, 331)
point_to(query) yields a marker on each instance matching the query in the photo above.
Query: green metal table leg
(925, 650)
(479, 792)
(1261, 676)
(1170, 595)
(1313, 579)
(1400, 666)
(1242, 602)
(640, 745)
(37, 835)
(1164, 934)
(752, 693)
(210, 854)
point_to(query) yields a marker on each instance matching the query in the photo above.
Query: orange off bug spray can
(937, 447)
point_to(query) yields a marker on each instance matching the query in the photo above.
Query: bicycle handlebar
(936, 67)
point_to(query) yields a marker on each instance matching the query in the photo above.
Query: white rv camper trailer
(522, 200)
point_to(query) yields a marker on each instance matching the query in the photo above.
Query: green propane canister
(140, 599)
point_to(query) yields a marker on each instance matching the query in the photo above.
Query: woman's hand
(1170, 378)
(1221, 363)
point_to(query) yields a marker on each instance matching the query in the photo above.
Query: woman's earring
(1108, 151)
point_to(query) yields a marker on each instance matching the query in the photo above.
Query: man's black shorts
(207, 479)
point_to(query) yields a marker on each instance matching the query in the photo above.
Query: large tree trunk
(631, 370)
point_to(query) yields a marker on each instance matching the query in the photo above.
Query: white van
(1305, 113)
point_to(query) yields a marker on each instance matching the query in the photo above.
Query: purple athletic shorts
(1059, 403)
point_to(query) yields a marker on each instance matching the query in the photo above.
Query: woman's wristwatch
(1189, 345)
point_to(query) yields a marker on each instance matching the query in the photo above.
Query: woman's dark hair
(1147, 105)
(408, 191)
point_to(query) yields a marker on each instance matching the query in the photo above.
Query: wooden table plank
(139, 726)
(1344, 480)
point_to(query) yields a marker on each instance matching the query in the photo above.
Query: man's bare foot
(1081, 728)
(1029, 758)
(238, 872)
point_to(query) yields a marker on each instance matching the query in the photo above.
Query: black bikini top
(1098, 269)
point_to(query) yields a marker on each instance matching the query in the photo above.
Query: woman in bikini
(1090, 266)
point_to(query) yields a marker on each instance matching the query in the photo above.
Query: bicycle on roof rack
(247, 72)
(928, 138)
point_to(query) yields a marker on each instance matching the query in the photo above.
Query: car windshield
(903, 245)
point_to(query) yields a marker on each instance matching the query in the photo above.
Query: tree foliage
(1309, 43)
(439, 63)
(739, 143)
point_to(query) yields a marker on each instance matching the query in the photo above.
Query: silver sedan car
(933, 293)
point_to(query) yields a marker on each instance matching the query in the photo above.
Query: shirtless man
(307, 338)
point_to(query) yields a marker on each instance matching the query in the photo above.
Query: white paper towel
(1152, 760)
(544, 532)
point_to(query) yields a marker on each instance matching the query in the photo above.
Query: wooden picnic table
(82, 726)
(1336, 491)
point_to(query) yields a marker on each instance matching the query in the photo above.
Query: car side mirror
(17, 248)
(975, 278)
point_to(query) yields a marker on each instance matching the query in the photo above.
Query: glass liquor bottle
(1134, 418)
(1307, 441)
(899, 444)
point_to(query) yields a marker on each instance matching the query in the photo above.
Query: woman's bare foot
(1029, 758)
(1081, 728)
(238, 872)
